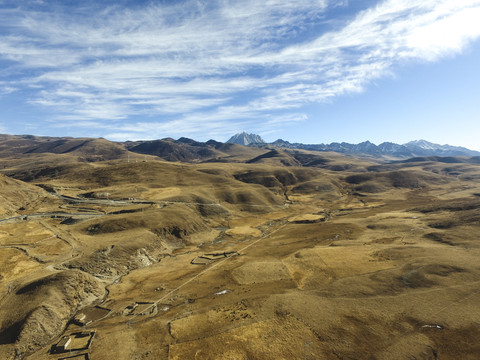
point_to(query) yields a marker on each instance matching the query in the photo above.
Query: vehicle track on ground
(215, 265)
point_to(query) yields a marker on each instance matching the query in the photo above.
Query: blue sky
(307, 71)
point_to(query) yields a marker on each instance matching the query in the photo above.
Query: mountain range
(234, 150)
(411, 149)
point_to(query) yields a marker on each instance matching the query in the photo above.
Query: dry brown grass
(335, 261)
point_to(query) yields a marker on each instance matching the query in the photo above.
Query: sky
(311, 71)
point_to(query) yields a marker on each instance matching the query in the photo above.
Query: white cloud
(447, 34)
(218, 64)
(5, 89)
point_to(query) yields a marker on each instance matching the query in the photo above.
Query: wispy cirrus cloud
(197, 66)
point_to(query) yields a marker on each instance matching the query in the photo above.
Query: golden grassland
(354, 260)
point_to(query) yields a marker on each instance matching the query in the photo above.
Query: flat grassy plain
(352, 259)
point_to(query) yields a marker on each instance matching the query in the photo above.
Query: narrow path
(171, 292)
(49, 214)
(114, 202)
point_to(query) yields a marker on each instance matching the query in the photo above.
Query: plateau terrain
(176, 249)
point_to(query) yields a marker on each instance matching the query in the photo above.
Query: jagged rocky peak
(246, 139)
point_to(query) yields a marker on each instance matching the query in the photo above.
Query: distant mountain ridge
(188, 150)
(410, 149)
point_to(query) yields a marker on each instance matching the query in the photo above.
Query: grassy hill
(235, 252)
